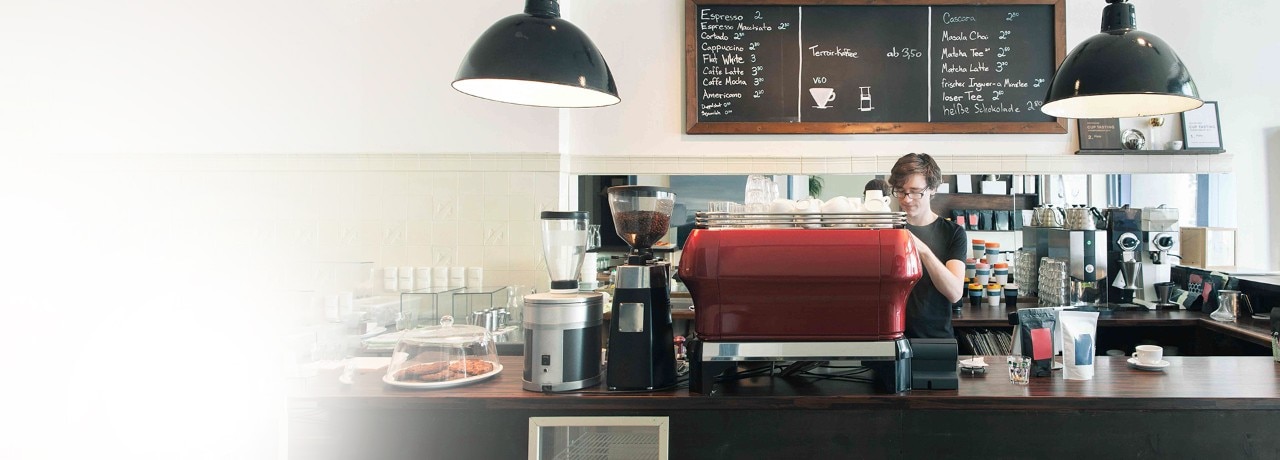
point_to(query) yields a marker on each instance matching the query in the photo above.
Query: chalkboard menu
(871, 66)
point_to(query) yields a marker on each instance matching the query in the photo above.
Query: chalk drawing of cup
(822, 96)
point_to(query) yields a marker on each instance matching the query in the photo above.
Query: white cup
(782, 205)
(873, 194)
(1149, 354)
(457, 276)
(475, 277)
(1175, 145)
(439, 277)
(390, 279)
(422, 278)
(406, 279)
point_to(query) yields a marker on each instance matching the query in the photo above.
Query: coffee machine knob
(1128, 241)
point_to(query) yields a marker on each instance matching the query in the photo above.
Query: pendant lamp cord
(542, 8)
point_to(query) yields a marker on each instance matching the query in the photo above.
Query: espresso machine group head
(641, 354)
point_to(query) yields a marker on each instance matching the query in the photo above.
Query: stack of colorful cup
(1000, 272)
(982, 273)
(993, 252)
(975, 295)
(994, 292)
(1011, 295)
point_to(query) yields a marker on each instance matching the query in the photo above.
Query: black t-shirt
(928, 311)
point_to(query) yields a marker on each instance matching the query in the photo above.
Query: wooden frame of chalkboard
(728, 93)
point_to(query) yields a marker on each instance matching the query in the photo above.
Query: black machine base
(889, 360)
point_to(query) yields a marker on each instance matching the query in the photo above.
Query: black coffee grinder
(640, 354)
(1124, 248)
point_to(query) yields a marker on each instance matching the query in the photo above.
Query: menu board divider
(871, 66)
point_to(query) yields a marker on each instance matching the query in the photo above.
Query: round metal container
(562, 338)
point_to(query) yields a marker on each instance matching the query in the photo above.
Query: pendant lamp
(537, 59)
(1121, 72)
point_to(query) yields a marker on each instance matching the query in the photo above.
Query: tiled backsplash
(295, 213)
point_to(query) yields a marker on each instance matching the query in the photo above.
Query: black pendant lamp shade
(1121, 72)
(537, 59)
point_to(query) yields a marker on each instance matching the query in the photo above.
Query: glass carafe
(1229, 305)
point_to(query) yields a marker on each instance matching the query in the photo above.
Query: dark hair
(877, 184)
(915, 163)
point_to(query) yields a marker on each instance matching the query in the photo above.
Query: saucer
(973, 363)
(1148, 367)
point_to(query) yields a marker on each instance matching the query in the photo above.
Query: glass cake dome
(443, 356)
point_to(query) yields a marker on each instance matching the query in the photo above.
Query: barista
(941, 244)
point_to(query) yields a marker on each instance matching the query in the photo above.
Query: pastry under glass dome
(443, 356)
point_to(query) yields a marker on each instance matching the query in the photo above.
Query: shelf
(1151, 152)
(943, 203)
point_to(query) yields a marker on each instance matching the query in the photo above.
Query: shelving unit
(943, 203)
(1151, 152)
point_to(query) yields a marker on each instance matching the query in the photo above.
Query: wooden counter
(1199, 407)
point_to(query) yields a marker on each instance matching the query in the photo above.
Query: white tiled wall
(297, 212)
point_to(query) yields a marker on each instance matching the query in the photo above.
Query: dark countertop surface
(1188, 383)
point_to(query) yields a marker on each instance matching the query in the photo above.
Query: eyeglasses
(913, 195)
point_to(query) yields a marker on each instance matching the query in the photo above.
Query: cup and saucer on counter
(1148, 358)
(974, 365)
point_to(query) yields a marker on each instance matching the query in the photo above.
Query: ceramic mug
(1148, 354)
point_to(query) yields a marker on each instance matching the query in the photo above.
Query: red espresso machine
(800, 287)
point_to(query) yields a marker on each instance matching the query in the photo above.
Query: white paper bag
(1079, 343)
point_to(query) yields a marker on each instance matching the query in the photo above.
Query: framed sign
(1200, 127)
(1099, 134)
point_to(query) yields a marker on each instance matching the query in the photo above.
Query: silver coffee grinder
(562, 328)
(640, 351)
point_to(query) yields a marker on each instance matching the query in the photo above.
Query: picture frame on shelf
(1202, 128)
(1099, 133)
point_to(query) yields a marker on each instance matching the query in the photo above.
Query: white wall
(245, 76)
